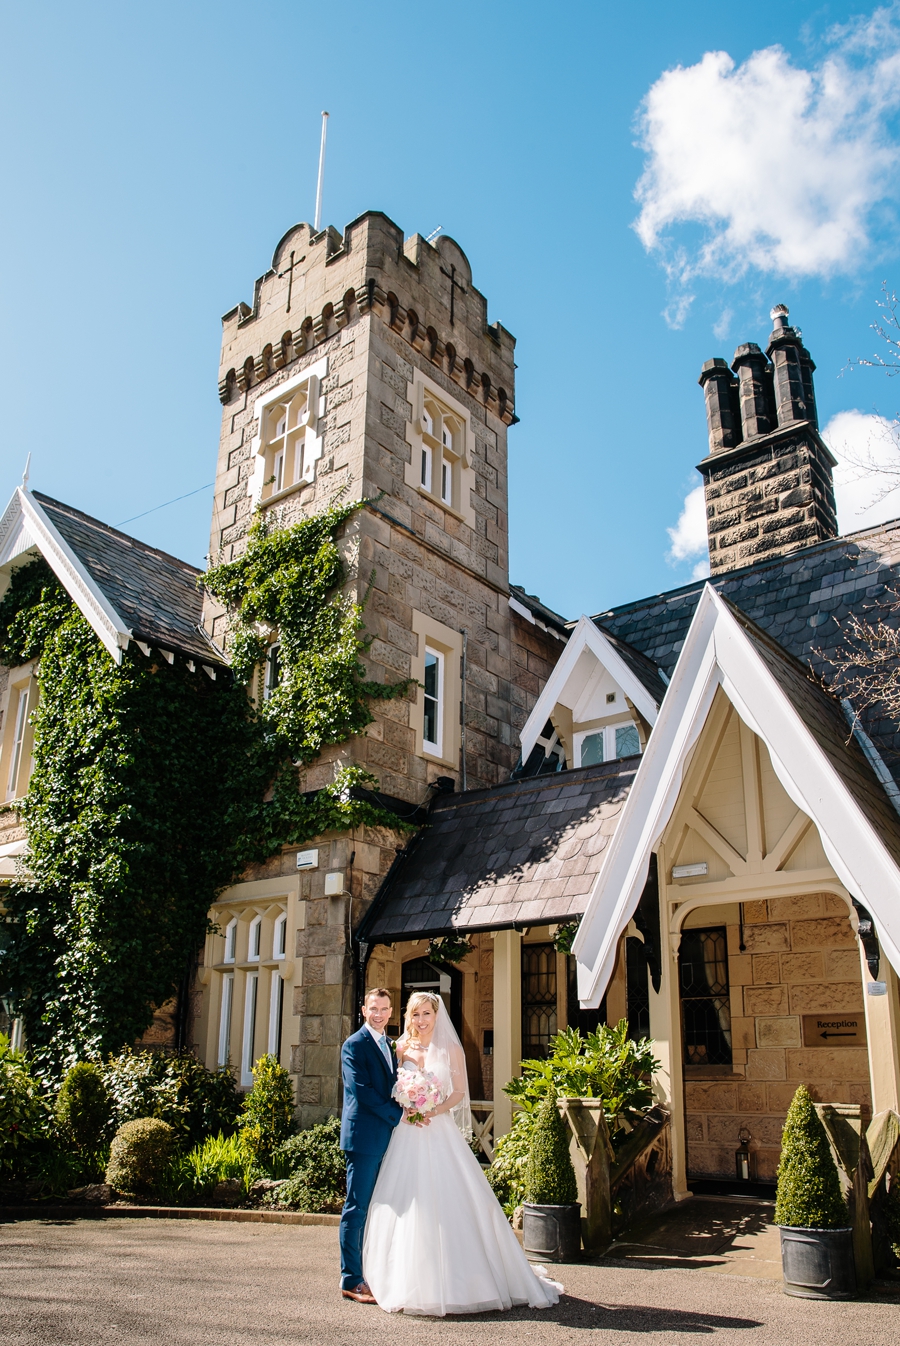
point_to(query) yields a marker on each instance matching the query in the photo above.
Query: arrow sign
(834, 1030)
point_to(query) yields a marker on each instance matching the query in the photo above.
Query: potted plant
(816, 1237)
(551, 1220)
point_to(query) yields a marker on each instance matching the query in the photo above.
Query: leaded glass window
(705, 1004)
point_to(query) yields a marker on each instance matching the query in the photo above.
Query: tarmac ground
(83, 1282)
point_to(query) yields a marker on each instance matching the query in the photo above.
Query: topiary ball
(809, 1189)
(549, 1175)
(139, 1156)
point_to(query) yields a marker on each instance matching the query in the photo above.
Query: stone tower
(366, 366)
(768, 477)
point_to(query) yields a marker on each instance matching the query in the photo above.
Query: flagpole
(318, 220)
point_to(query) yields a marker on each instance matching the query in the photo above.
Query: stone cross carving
(289, 272)
(454, 286)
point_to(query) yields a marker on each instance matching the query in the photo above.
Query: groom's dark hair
(377, 990)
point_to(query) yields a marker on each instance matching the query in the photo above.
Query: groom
(368, 1069)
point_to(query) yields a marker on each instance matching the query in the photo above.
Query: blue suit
(367, 1121)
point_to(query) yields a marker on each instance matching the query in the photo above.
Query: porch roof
(523, 853)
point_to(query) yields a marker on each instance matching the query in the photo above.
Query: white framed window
(19, 727)
(286, 447)
(607, 744)
(255, 936)
(279, 937)
(251, 991)
(441, 438)
(447, 482)
(276, 1006)
(230, 941)
(225, 1018)
(433, 701)
(427, 458)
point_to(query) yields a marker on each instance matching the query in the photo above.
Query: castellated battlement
(320, 282)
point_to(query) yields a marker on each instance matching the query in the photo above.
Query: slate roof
(801, 601)
(155, 593)
(823, 717)
(523, 853)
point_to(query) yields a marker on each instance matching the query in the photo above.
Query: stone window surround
(273, 900)
(418, 389)
(443, 640)
(21, 679)
(312, 452)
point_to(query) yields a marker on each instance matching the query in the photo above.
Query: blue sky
(154, 155)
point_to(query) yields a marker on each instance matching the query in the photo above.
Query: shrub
(84, 1108)
(24, 1113)
(549, 1175)
(605, 1064)
(809, 1190)
(314, 1167)
(139, 1156)
(506, 1174)
(177, 1089)
(196, 1173)
(267, 1115)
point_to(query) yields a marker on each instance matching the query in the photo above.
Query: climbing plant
(152, 786)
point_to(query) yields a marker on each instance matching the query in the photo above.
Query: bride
(436, 1239)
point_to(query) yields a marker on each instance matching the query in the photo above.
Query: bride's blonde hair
(415, 1000)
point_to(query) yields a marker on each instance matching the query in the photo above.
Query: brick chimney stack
(768, 477)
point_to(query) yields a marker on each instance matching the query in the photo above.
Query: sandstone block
(710, 1096)
(778, 1097)
(752, 1098)
(765, 1000)
(323, 999)
(712, 1160)
(829, 932)
(842, 964)
(694, 1128)
(764, 1130)
(778, 1031)
(795, 908)
(318, 1060)
(755, 912)
(310, 1028)
(740, 970)
(838, 1063)
(307, 1089)
(802, 967)
(827, 997)
(743, 1033)
(766, 1064)
(769, 938)
(766, 968)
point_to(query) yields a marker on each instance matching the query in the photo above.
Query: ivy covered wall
(153, 786)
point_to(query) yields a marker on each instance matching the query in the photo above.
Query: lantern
(744, 1157)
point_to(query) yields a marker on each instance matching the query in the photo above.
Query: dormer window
(607, 743)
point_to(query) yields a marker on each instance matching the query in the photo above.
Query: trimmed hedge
(549, 1175)
(140, 1155)
(809, 1190)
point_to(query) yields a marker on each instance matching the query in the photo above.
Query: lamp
(744, 1157)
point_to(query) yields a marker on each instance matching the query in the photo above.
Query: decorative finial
(25, 473)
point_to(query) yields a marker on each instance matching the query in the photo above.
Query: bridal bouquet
(419, 1091)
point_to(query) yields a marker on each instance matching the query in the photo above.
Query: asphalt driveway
(187, 1283)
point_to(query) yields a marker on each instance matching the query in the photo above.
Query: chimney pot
(722, 413)
(754, 381)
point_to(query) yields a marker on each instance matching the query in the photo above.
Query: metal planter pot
(818, 1263)
(552, 1233)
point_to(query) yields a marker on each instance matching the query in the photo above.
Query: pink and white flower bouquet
(419, 1091)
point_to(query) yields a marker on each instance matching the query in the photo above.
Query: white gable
(25, 528)
(589, 670)
(718, 652)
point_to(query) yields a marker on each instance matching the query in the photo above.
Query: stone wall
(801, 957)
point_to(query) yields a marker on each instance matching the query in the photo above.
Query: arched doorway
(421, 975)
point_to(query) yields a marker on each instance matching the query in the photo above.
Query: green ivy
(153, 787)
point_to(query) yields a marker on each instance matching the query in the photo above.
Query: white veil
(446, 1059)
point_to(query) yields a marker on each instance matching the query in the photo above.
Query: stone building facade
(366, 369)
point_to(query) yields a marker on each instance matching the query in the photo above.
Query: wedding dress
(436, 1239)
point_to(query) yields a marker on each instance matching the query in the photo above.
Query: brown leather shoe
(361, 1293)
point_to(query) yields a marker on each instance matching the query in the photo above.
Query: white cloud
(780, 166)
(688, 537)
(867, 477)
